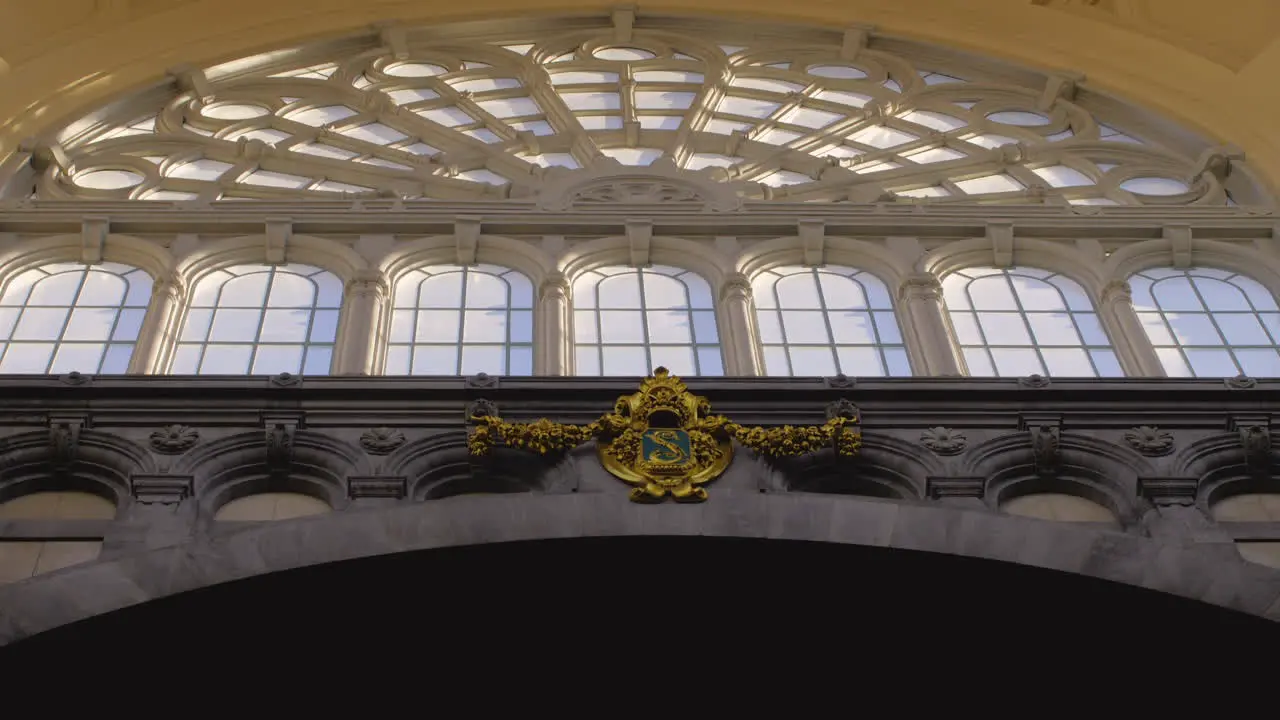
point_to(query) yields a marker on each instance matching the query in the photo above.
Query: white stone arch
(1067, 260)
(204, 258)
(521, 256)
(698, 258)
(872, 258)
(1125, 262)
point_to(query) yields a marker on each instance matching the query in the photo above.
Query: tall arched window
(827, 321)
(1208, 323)
(1024, 321)
(454, 320)
(261, 320)
(628, 321)
(69, 316)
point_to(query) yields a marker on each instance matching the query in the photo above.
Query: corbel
(157, 489)
(631, 131)
(47, 155)
(1217, 160)
(93, 237)
(1001, 236)
(394, 39)
(1179, 237)
(941, 488)
(624, 20)
(813, 241)
(855, 41)
(529, 140)
(1058, 87)
(192, 79)
(639, 239)
(280, 430)
(279, 231)
(64, 439)
(1169, 490)
(466, 231)
(733, 141)
(1255, 439)
(376, 486)
(1046, 432)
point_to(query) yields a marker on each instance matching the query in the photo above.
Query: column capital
(1117, 290)
(554, 283)
(168, 285)
(920, 286)
(367, 282)
(735, 285)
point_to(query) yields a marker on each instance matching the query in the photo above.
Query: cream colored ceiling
(1211, 66)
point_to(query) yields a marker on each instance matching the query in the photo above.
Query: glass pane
(770, 326)
(1014, 362)
(186, 360)
(116, 361)
(805, 326)
(709, 361)
(235, 325)
(798, 292)
(1107, 363)
(438, 326)
(1004, 328)
(584, 327)
(248, 291)
(285, 325)
(1193, 329)
(627, 361)
(26, 358)
(40, 324)
(435, 360)
(275, 359)
(102, 289)
(992, 293)
(324, 326)
(704, 327)
(587, 361)
(319, 359)
(1067, 362)
(90, 323)
(226, 360)
(775, 362)
(621, 326)
(489, 359)
(662, 292)
(486, 291)
(669, 326)
(1174, 365)
(521, 326)
(979, 362)
(966, 326)
(291, 291)
(679, 360)
(58, 289)
(852, 328)
(1242, 329)
(1219, 295)
(1259, 363)
(1211, 363)
(1037, 294)
(128, 325)
(819, 361)
(484, 326)
(841, 293)
(80, 357)
(1053, 329)
(860, 361)
(898, 362)
(397, 360)
(887, 326)
(441, 291)
(620, 291)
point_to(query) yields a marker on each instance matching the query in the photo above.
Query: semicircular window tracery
(473, 119)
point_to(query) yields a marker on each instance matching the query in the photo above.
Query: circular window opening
(623, 54)
(107, 179)
(233, 111)
(413, 70)
(1019, 118)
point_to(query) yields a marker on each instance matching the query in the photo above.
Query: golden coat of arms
(664, 440)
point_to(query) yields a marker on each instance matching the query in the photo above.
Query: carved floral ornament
(664, 440)
(1149, 440)
(381, 440)
(944, 441)
(174, 439)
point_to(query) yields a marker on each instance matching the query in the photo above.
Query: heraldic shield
(664, 441)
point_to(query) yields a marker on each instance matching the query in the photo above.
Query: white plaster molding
(607, 182)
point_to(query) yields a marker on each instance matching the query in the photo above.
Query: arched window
(454, 320)
(261, 320)
(628, 321)
(1024, 321)
(827, 321)
(69, 316)
(1208, 323)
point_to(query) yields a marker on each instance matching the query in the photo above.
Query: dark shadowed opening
(648, 597)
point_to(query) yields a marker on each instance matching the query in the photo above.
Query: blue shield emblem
(665, 450)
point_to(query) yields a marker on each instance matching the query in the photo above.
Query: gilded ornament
(664, 440)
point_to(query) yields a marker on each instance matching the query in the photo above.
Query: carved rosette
(944, 441)
(1034, 381)
(1149, 440)
(174, 439)
(381, 440)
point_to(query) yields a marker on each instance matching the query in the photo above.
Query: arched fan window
(1025, 321)
(1208, 323)
(628, 321)
(260, 320)
(68, 316)
(827, 321)
(454, 320)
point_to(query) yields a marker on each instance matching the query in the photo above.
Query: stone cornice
(773, 219)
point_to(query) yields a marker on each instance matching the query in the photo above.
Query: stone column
(737, 340)
(160, 327)
(553, 338)
(363, 334)
(924, 327)
(1133, 348)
